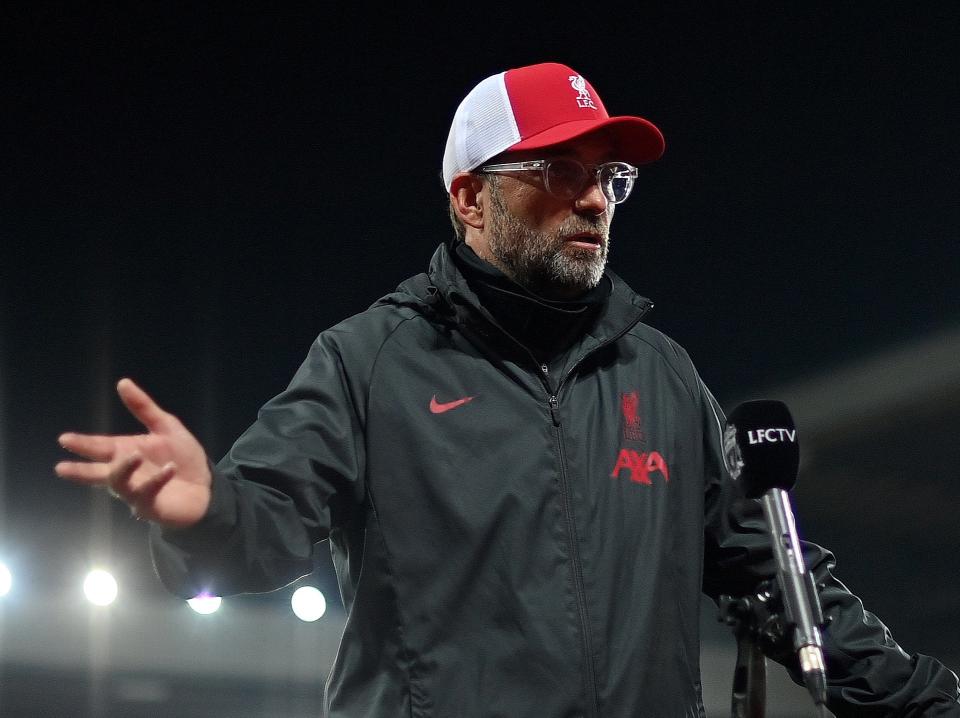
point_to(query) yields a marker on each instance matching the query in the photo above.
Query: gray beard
(542, 262)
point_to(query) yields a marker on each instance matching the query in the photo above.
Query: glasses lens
(616, 180)
(566, 178)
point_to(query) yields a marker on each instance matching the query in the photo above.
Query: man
(522, 483)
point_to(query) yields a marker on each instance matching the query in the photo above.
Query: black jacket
(511, 543)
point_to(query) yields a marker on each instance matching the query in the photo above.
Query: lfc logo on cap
(580, 85)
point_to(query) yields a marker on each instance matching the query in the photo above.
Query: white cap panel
(483, 126)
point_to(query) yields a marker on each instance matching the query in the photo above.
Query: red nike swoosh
(437, 408)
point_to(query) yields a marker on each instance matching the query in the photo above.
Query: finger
(119, 478)
(146, 492)
(83, 471)
(89, 446)
(142, 406)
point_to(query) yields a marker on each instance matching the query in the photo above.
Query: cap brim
(638, 140)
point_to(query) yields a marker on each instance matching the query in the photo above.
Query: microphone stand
(756, 620)
(750, 618)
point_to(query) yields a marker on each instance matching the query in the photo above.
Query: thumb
(142, 406)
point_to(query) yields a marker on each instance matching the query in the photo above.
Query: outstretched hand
(162, 475)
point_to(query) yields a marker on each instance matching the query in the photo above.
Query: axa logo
(583, 94)
(632, 422)
(641, 465)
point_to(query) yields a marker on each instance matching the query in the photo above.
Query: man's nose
(591, 200)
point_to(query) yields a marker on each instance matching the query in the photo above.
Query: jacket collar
(622, 310)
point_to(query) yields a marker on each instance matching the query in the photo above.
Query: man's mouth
(585, 240)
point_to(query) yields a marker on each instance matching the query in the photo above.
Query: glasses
(566, 178)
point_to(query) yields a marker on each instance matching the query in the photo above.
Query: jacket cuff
(216, 524)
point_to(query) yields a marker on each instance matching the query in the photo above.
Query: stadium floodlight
(100, 587)
(204, 603)
(308, 603)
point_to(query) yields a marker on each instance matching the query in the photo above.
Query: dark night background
(190, 193)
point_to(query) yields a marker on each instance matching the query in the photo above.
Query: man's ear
(466, 200)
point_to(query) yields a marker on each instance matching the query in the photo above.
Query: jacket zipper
(593, 702)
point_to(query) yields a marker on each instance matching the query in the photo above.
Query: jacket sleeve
(868, 674)
(274, 492)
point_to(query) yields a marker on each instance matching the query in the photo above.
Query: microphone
(762, 453)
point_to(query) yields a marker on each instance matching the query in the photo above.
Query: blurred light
(6, 580)
(204, 604)
(100, 587)
(308, 603)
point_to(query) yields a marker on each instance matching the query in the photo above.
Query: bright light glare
(308, 603)
(100, 587)
(204, 604)
(6, 580)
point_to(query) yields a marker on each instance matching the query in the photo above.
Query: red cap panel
(550, 94)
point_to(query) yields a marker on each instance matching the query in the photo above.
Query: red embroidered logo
(632, 423)
(437, 408)
(640, 465)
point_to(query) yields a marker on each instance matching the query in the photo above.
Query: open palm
(163, 474)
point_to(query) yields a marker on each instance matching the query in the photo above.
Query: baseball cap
(538, 106)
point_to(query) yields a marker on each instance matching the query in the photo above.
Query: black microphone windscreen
(761, 447)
